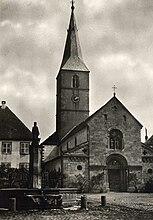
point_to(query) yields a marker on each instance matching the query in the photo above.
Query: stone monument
(35, 160)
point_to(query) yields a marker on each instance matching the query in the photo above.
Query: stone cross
(114, 88)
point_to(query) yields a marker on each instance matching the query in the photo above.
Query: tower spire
(72, 83)
(72, 7)
(72, 58)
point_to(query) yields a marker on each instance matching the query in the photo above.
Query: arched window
(75, 81)
(116, 139)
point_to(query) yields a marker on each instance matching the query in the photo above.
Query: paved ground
(143, 201)
(120, 206)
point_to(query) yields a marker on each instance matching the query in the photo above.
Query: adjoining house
(15, 139)
(147, 159)
(100, 152)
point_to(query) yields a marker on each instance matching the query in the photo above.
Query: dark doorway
(117, 173)
(114, 177)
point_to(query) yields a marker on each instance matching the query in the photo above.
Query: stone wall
(99, 134)
(114, 116)
(147, 171)
(69, 113)
(75, 172)
(53, 165)
(75, 140)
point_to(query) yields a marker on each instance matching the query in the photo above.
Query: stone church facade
(100, 152)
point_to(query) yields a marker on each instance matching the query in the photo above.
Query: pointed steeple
(72, 58)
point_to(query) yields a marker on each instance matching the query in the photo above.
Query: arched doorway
(117, 173)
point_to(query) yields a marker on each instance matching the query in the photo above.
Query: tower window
(116, 139)
(75, 81)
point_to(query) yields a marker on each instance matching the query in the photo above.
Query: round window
(150, 171)
(79, 167)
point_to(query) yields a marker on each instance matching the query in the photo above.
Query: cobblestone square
(120, 206)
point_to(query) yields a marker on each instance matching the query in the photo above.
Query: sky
(116, 38)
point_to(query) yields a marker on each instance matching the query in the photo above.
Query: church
(99, 152)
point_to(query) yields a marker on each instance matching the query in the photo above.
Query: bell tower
(72, 104)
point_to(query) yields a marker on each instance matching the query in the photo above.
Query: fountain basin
(29, 199)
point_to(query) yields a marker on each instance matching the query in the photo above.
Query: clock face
(75, 98)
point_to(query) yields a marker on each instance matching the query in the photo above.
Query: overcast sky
(117, 44)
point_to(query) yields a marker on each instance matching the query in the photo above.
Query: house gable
(11, 127)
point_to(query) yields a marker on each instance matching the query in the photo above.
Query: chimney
(3, 105)
(146, 136)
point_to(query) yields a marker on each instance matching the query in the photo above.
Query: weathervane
(114, 88)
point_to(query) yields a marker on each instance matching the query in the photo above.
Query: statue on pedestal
(35, 134)
(35, 159)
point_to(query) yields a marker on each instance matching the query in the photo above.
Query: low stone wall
(35, 198)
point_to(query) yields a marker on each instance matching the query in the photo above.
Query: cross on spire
(114, 88)
(72, 7)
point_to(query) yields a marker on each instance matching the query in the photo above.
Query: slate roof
(84, 123)
(72, 58)
(51, 140)
(12, 128)
(54, 140)
(149, 141)
(53, 155)
(147, 147)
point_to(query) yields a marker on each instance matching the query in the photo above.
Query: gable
(102, 113)
(117, 109)
(11, 127)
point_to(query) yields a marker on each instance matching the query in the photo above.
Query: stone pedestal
(35, 166)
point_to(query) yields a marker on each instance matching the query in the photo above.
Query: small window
(75, 81)
(79, 167)
(6, 147)
(24, 166)
(150, 171)
(24, 148)
(6, 165)
(124, 117)
(105, 117)
(75, 141)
